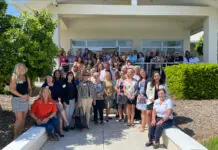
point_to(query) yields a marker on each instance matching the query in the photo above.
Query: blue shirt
(161, 109)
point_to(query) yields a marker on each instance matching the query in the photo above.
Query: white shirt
(103, 72)
(194, 60)
(136, 77)
(161, 109)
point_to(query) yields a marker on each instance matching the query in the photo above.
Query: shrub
(28, 39)
(193, 81)
(211, 144)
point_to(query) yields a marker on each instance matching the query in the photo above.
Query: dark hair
(54, 77)
(77, 59)
(62, 52)
(70, 73)
(152, 79)
(162, 89)
(140, 53)
(146, 75)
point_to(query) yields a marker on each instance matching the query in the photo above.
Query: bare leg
(132, 113)
(143, 122)
(120, 111)
(18, 124)
(61, 126)
(128, 110)
(107, 113)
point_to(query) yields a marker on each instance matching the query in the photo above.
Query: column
(56, 37)
(134, 2)
(210, 39)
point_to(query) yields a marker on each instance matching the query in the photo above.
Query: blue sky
(12, 10)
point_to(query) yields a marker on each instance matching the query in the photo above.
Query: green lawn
(211, 144)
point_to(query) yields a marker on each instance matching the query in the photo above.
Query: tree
(199, 46)
(29, 41)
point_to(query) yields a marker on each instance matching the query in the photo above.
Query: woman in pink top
(63, 61)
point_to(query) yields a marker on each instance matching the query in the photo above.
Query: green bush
(211, 144)
(27, 39)
(193, 81)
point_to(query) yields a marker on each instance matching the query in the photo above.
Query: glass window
(125, 50)
(172, 43)
(79, 43)
(149, 43)
(101, 43)
(125, 43)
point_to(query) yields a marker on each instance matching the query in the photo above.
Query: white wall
(125, 28)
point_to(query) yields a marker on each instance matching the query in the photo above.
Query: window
(102, 45)
(167, 46)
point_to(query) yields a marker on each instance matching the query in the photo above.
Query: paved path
(110, 136)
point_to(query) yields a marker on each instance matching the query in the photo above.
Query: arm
(154, 117)
(29, 86)
(167, 115)
(116, 88)
(37, 120)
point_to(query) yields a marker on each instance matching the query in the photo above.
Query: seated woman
(43, 111)
(162, 118)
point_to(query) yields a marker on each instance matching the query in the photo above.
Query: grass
(211, 144)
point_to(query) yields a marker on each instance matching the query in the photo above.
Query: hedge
(193, 81)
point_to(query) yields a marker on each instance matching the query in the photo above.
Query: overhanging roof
(40, 4)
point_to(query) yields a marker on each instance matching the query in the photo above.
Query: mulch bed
(196, 118)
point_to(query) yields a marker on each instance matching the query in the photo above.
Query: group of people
(66, 61)
(93, 88)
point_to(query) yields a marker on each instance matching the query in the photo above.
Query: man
(106, 69)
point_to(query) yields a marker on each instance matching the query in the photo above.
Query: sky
(13, 11)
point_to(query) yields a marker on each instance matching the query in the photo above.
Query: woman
(57, 83)
(85, 97)
(130, 91)
(121, 100)
(20, 88)
(162, 118)
(100, 67)
(152, 93)
(98, 102)
(43, 111)
(79, 63)
(136, 73)
(108, 94)
(142, 98)
(69, 96)
(63, 62)
(70, 59)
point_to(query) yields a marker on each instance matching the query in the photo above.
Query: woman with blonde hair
(43, 111)
(130, 91)
(20, 87)
(108, 93)
(121, 100)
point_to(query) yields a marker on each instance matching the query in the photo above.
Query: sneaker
(102, 122)
(156, 145)
(72, 128)
(149, 144)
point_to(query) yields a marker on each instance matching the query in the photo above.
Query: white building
(144, 25)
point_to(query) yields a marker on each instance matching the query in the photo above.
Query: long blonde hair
(42, 90)
(107, 76)
(16, 73)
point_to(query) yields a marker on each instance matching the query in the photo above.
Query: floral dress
(141, 103)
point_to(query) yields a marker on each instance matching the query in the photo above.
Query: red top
(62, 60)
(42, 110)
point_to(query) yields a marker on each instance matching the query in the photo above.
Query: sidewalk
(110, 136)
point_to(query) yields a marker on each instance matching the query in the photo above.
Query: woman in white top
(130, 91)
(152, 93)
(162, 118)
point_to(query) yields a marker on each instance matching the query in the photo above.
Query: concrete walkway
(110, 136)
